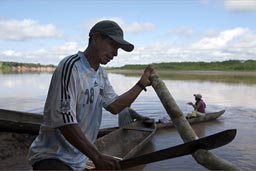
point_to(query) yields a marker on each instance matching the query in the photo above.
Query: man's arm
(126, 99)
(190, 103)
(74, 135)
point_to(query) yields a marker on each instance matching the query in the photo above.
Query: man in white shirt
(73, 110)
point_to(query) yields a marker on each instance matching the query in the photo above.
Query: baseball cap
(198, 96)
(112, 30)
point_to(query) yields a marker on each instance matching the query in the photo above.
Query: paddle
(207, 143)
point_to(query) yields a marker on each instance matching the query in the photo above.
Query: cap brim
(123, 44)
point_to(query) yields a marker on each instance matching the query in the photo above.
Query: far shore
(138, 72)
(190, 72)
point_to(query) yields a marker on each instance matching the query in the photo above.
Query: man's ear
(95, 37)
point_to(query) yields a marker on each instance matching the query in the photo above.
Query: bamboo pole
(203, 157)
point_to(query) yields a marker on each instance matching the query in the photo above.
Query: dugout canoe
(25, 122)
(126, 142)
(20, 122)
(207, 117)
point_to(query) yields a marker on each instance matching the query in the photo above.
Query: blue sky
(45, 31)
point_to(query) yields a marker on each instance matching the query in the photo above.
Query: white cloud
(240, 5)
(65, 49)
(42, 55)
(247, 41)
(237, 43)
(11, 53)
(135, 27)
(220, 41)
(182, 31)
(26, 29)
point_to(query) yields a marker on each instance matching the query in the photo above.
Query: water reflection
(23, 91)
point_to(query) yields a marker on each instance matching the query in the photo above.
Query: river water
(27, 92)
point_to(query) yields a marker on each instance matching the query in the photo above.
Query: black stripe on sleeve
(66, 68)
(69, 73)
(67, 117)
(63, 116)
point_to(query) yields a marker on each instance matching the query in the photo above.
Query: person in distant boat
(73, 110)
(199, 106)
(128, 116)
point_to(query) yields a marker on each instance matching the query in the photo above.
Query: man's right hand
(105, 162)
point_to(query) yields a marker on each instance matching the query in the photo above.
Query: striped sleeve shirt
(76, 95)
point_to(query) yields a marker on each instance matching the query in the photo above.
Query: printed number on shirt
(90, 95)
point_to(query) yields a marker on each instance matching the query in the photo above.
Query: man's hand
(75, 136)
(148, 72)
(105, 162)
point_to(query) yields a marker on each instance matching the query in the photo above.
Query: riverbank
(6, 67)
(244, 77)
(189, 72)
(32, 69)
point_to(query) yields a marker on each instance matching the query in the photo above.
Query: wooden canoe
(23, 122)
(206, 118)
(128, 140)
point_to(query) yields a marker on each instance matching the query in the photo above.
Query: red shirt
(200, 106)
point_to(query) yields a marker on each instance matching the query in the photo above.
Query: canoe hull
(207, 117)
(23, 122)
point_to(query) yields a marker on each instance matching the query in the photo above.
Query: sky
(45, 31)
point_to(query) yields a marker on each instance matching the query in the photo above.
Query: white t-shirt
(76, 95)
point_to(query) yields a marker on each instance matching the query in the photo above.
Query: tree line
(10, 65)
(230, 65)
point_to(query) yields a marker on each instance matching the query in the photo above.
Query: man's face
(106, 49)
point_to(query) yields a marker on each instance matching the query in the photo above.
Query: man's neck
(89, 55)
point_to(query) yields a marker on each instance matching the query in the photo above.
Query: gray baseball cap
(112, 30)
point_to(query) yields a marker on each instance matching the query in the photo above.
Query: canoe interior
(127, 141)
